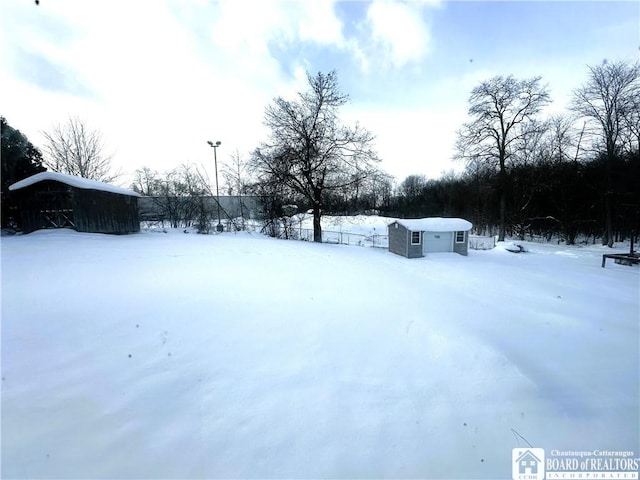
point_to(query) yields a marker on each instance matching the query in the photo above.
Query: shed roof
(436, 224)
(73, 181)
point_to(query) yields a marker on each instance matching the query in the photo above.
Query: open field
(190, 356)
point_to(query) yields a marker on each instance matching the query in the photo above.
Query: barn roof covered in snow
(436, 224)
(73, 181)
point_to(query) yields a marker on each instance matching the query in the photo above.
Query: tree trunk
(317, 228)
(503, 210)
(607, 238)
(503, 203)
(571, 232)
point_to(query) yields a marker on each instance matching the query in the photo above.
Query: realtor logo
(527, 463)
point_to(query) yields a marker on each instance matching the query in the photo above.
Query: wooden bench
(622, 258)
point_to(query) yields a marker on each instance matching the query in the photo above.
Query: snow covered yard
(188, 356)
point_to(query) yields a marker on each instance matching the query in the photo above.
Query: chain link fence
(345, 238)
(478, 242)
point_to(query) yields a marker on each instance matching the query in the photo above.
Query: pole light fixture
(215, 146)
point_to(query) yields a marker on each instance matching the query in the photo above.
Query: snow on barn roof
(436, 224)
(73, 181)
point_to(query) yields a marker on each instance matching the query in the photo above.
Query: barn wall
(105, 212)
(35, 198)
(29, 214)
(30, 218)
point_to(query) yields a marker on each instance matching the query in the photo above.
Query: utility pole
(215, 146)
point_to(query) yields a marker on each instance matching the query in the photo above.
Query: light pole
(215, 146)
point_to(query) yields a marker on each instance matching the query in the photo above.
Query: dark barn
(56, 200)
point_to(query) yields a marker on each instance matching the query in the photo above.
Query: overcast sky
(160, 78)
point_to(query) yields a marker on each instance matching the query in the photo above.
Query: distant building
(57, 200)
(415, 238)
(167, 207)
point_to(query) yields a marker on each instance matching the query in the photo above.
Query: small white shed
(415, 238)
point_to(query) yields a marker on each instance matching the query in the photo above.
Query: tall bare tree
(607, 100)
(632, 120)
(309, 150)
(503, 111)
(76, 149)
(563, 138)
(235, 174)
(146, 182)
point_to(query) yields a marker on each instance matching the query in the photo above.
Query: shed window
(459, 237)
(415, 238)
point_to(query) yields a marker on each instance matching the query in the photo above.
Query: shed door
(56, 209)
(438, 242)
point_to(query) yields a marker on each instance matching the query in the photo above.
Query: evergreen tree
(20, 159)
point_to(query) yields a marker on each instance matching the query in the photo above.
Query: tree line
(507, 135)
(548, 199)
(567, 176)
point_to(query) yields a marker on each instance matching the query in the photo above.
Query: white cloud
(249, 27)
(400, 30)
(242, 28)
(318, 23)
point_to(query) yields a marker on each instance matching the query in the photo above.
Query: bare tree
(75, 149)
(181, 196)
(309, 150)
(146, 182)
(191, 188)
(412, 186)
(607, 100)
(503, 112)
(235, 174)
(632, 120)
(563, 139)
(376, 190)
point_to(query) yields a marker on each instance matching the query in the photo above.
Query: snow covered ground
(236, 355)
